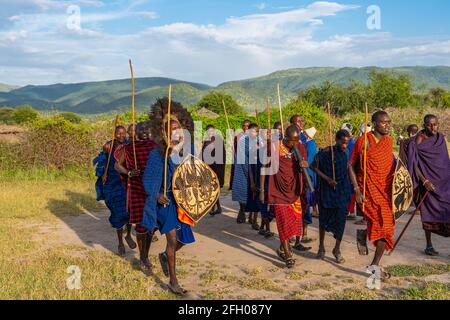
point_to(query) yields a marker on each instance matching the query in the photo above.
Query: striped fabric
(380, 174)
(135, 189)
(289, 220)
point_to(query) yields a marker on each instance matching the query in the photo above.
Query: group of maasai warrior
(353, 176)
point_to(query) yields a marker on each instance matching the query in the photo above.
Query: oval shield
(402, 190)
(195, 187)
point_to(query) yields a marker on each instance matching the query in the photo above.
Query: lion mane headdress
(158, 120)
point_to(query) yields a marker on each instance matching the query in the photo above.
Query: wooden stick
(105, 174)
(169, 129)
(331, 141)
(268, 115)
(226, 114)
(279, 106)
(409, 221)
(133, 120)
(257, 117)
(228, 124)
(365, 157)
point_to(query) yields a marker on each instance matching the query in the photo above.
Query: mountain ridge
(95, 97)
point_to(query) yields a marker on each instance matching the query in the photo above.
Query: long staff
(409, 221)
(365, 158)
(331, 140)
(105, 174)
(169, 129)
(279, 106)
(133, 116)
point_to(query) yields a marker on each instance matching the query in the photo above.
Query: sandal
(281, 254)
(130, 242)
(431, 252)
(262, 232)
(306, 240)
(361, 242)
(144, 268)
(240, 218)
(321, 255)
(176, 289)
(269, 235)
(290, 263)
(385, 275)
(121, 250)
(301, 248)
(164, 263)
(338, 257)
(255, 226)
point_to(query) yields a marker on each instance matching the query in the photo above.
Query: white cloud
(39, 49)
(261, 6)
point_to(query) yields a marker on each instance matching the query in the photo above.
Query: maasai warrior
(241, 179)
(277, 126)
(252, 204)
(135, 189)
(364, 128)
(285, 189)
(161, 211)
(299, 121)
(311, 151)
(333, 195)
(378, 197)
(213, 153)
(412, 131)
(245, 126)
(112, 190)
(351, 208)
(429, 165)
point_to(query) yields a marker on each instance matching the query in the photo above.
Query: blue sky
(212, 41)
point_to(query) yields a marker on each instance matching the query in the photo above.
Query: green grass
(317, 286)
(427, 291)
(418, 271)
(354, 294)
(210, 276)
(47, 200)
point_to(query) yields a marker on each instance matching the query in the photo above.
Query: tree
(436, 97)
(24, 114)
(387, 90)
(213, 102)
(71, 117)
(446, 100)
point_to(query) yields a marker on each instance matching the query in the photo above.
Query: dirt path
(233, 261)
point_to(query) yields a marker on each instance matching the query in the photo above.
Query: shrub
(71, 117)
(6, 115)
(24, 114)
(213, 102)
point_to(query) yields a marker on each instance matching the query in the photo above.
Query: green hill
(114, 95)
(7, 87)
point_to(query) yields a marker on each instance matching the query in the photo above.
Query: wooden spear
(279, 106)
(133, 116)
(365, 158)
(169, 129)
(331, 140)
(105, 174)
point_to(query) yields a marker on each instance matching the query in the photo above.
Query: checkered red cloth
(380, 174)
(289, 220)
(136, 195)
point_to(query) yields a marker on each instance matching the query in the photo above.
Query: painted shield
(402, 190)
(195, 187)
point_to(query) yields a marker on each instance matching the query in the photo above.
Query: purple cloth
(431, 158)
